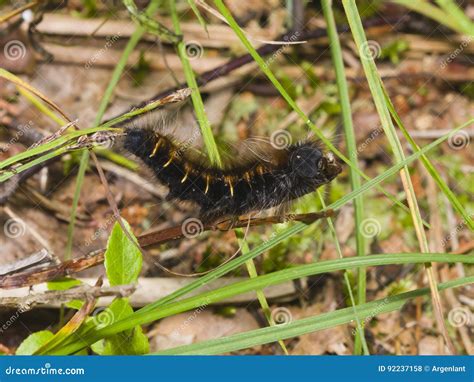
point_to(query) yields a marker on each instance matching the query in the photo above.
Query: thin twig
(82, 292)
(37, 259)
(78, 264)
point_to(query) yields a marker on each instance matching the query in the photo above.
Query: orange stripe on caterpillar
(240, 187)
(229, 182)
(155, 149)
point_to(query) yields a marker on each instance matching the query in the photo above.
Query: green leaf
(75, 304)
(63, 283)
(123, 262)
(128, 342)
(33, 342)
(198, 15)
(123, 259)
(98, 347)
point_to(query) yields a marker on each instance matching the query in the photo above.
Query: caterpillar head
(308, 161)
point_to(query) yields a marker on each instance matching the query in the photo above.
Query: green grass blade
(361, 245)
(429, 167)
(149, 24)
(69, 138)
(145, 316)
(432, 11)
(116, 74)
(211, 146)
(252, 271)
(83, 165)
(201, 115)
(360, 337)
(307, 325)
(264, 67)
(296, 228)
(374, 80)
(35, 101)
(462, 20)
(196, 12)
(209, 140)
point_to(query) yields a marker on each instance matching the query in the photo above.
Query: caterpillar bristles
(250, 183)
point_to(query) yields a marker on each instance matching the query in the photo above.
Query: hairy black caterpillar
(238, 188)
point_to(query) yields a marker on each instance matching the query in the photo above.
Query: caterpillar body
(238, 188)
